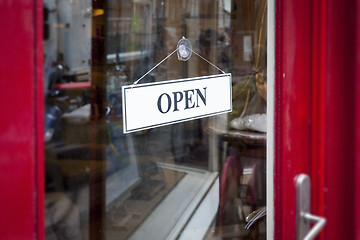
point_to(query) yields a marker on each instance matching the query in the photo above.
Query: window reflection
(192, 180)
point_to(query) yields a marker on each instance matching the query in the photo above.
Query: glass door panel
(199, 179)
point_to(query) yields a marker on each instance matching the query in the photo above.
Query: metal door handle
(315, 230)
(303, 215)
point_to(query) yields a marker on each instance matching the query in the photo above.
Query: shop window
(198, 179)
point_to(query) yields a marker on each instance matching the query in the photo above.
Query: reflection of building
(68, 41)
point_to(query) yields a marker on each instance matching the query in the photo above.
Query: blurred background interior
(193, 180)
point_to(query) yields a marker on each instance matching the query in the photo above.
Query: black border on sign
(124, 88)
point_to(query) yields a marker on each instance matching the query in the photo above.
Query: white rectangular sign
(151, 105)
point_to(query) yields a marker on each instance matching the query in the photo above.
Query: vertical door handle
(303, 215)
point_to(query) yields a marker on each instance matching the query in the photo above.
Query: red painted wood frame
(317, 95)
(317, 109)
(21, 121)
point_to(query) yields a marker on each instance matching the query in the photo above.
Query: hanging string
(155, 66)
(136, 82)
(206, 60)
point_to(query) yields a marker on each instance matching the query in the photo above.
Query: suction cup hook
(184, 49)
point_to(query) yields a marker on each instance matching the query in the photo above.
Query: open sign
(157, 104)
(175, 99)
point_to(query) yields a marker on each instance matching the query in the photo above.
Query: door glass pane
(198, 179)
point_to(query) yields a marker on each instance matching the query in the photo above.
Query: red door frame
(21, 121)
(342, 131)
(292, 107)
(317, 60)
(316, 103)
